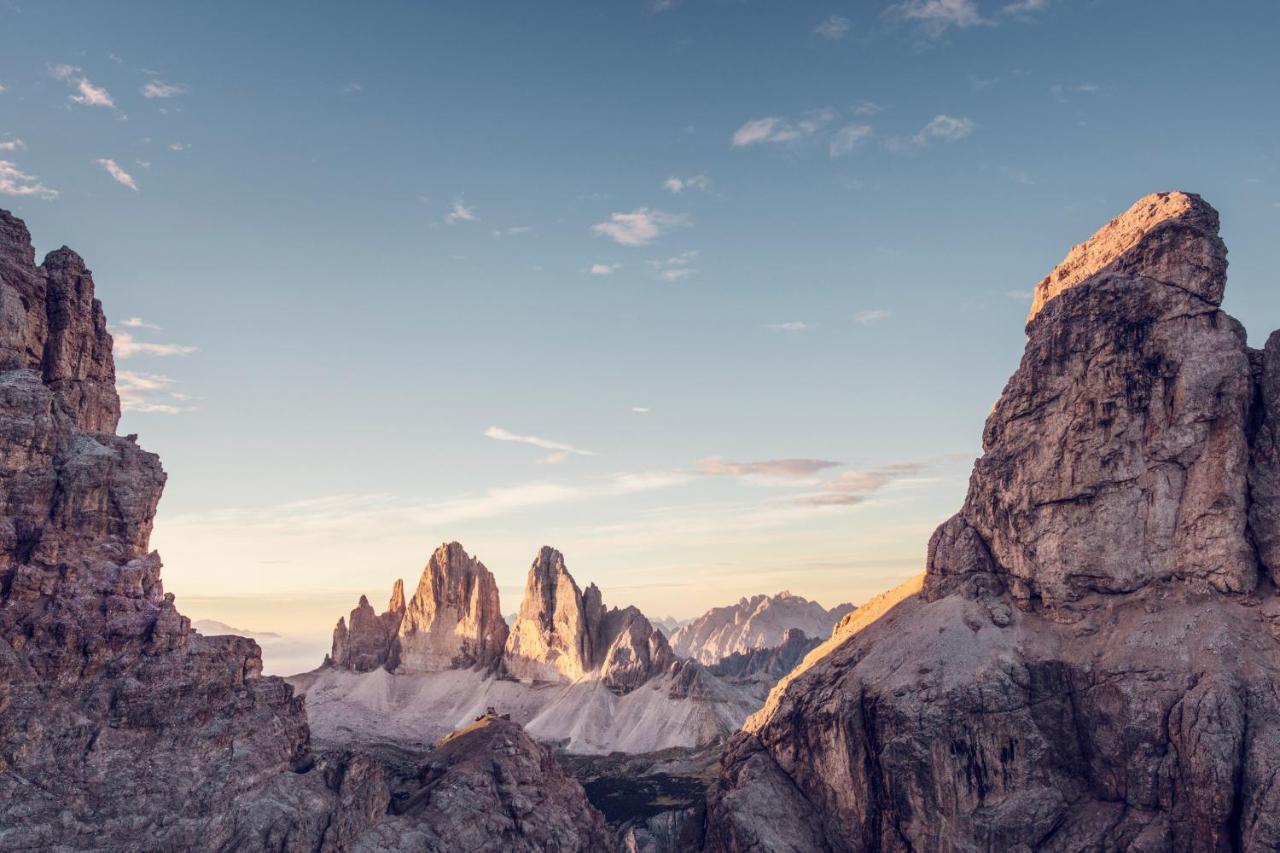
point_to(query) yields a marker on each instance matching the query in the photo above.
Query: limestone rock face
(490, 787)
(759, 622)
(454, 619)
(1090, 660)
(767, 665)
(551, 639)
(120, 727)
(564, 634)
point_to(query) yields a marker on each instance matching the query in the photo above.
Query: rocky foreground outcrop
(759, 622)
(489, 788)
(121, 728)
(1091, 661)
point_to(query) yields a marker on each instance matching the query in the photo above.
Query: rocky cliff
(759, 622)
(120, 727)
(767, 665)
(563, 634)
(1091, 659)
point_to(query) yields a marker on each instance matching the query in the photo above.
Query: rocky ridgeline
(759, 622)
(454, 621)
(1090, 660)
(121, 728)
(768, 664)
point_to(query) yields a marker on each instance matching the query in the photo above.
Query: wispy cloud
(149, 393)
(87, 94)
(640, 227)
(500, 434)
(120, 176)
(853, 487)
(873, 315)
(127, 346)
(847, 138)
(178, 146)
(14, 181)
(160, 89)
(1063, 92)
(640, 410)
(352, 88)
(459, 212)
(945, 128)
(1025, 8)
(350, 515)
(677, 267)
(794, 327)
(834, 28)
(791, 469)
(1020, 295)
(679, 185)
(604, 269)
(937, 16)
(138, 323)
(775, 129)
(14, 144)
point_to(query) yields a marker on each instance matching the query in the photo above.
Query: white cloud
(679, 185)
(1022, 8)
(138, 323)
(3, 88)
(772, 129)
(944, 127)
(936, 16)
(834, 28)
(793, 327)
(91, 95)
(127, 346)
(352, 88)
(459, 212)
(715, 466)
(14, 181)
(604, 269)
(14, 144)
(159, 89)
(867, 108)
(63, 72)
(149, 393)
(640, 410)
(875, 315)
(178, 146)
(500, 434)
(639, 227)
(119, 175)
(848, 138)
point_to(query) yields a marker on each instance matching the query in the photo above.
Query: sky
(712, 295)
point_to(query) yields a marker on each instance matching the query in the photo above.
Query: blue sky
(695, 250)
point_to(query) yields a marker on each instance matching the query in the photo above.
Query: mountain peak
(1169, 237)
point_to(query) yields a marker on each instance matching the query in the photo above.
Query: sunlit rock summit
(1092, 658)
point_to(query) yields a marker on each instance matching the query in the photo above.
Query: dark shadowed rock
(1091, 661)
(490, 787)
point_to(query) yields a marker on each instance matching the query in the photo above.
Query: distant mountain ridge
(759, 622)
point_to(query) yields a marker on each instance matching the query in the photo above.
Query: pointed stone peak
(454, 619)
(396, 604)
(1169, 237)
(364, 603)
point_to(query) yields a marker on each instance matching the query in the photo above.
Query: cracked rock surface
(1091, 659)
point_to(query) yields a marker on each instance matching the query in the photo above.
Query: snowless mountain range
(570, 669)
